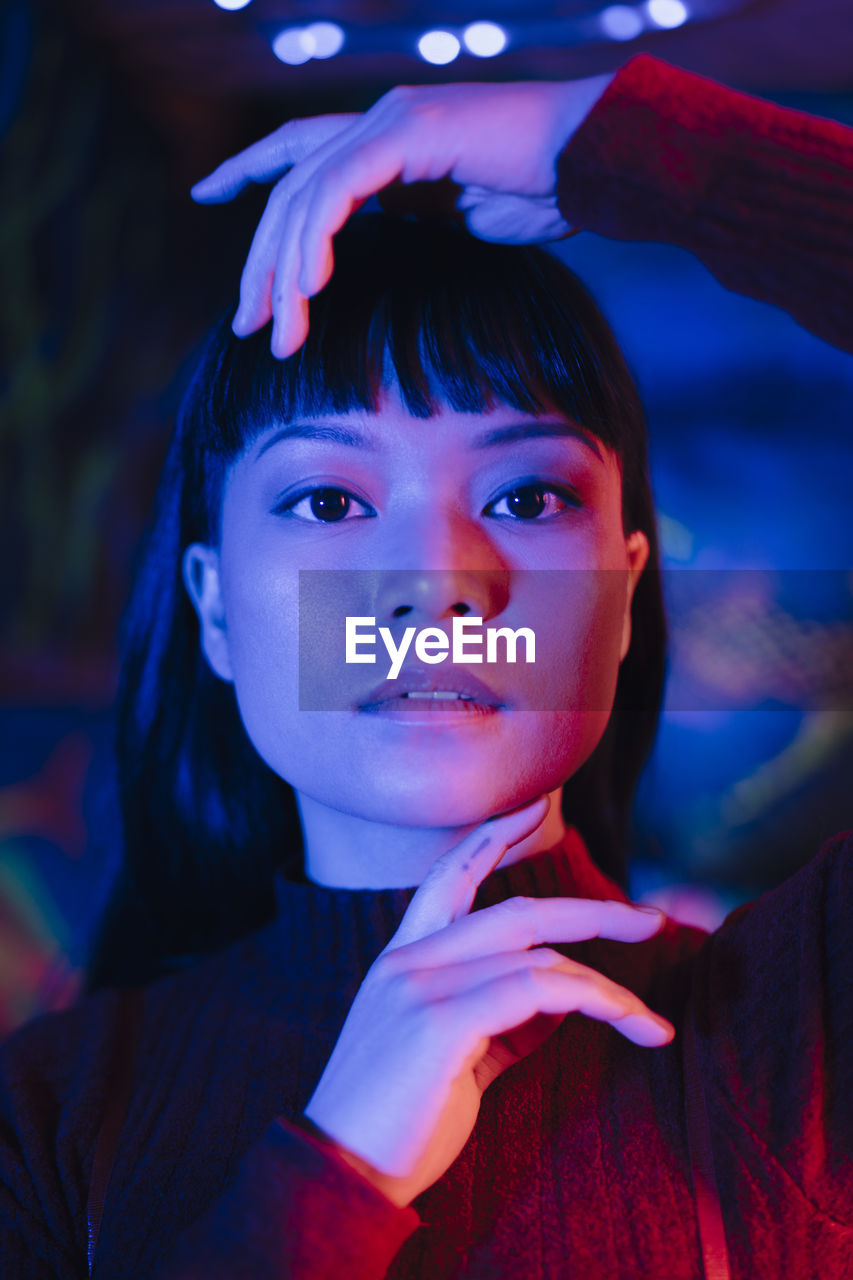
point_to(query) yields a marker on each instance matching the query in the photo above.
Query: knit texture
(578, 1163)
(762, 195)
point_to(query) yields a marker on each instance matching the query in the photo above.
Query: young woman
(378, 955)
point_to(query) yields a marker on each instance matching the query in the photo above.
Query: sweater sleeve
(773, 1006)
(295, 1209)
(36, 1239)
(761, 194)
(43, 1141)
(291, 1206)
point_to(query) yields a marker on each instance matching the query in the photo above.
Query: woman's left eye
(528, 501)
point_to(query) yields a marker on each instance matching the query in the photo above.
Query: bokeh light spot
(292, 46)
(438, 47)
(667, 13)
(328, 38)
(484, 39)
(621, 22)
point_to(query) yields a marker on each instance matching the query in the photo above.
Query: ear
(202, 580)
(637, 550)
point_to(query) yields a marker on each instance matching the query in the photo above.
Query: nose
(447, 569)
(435, 594)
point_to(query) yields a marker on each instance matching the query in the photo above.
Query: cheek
(578, 641)
(603, 638)
(261, 610)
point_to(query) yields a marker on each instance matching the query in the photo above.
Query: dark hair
(205, 822)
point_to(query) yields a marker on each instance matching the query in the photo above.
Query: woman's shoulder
(779, 970)
(61, 1072)
(50, 1045)
(772, 1005)
(805, 918)
(66, 1053)
(768, 955)
(54, 1075)
(765, 958)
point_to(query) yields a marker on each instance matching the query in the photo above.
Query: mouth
(441, 693)
(425, 691)
(431, 710)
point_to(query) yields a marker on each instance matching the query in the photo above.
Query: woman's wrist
(578, 98)
(390, 1187)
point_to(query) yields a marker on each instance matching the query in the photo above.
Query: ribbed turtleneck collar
(342, 931)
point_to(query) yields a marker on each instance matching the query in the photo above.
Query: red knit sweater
(579, 1163)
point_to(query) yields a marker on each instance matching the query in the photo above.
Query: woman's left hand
(498, 143)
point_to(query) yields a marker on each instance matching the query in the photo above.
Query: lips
(419, 680)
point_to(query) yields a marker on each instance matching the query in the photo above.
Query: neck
(347, 852)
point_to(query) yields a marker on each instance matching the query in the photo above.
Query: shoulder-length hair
(205, 822)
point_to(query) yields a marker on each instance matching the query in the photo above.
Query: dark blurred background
(109, 110)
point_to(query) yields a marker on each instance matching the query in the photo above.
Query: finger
(266, 258)
(344, 183)
(255, 305)
(269, 157)
(497, 1007)
(322, 274)
(452, 979)
(505, 218)
(289, 304)
(451, 883)
(520, 923)
(392, 147)
(269, 246)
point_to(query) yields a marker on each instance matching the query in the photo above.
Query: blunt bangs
(449, 319)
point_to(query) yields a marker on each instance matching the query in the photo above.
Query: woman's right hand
(453, 1000)
(498, 143)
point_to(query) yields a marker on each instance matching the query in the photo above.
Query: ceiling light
(439, 47)
(231, 5)
(328, 38)
(484, 39)
(621, 22)
(293, 46)
(667, 13)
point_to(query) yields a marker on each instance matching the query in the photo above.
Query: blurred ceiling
(208, 79)
(192, 48)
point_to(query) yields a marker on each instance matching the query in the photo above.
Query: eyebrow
(510, 434)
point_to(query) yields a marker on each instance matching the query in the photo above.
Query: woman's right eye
(326, 505)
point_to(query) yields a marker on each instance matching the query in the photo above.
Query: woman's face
(425, 521)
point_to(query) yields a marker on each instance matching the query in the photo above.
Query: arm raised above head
(494, 146)
(761, 194)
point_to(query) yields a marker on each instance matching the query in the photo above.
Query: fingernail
(649, 911)
(277, 343)
(202, 189)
